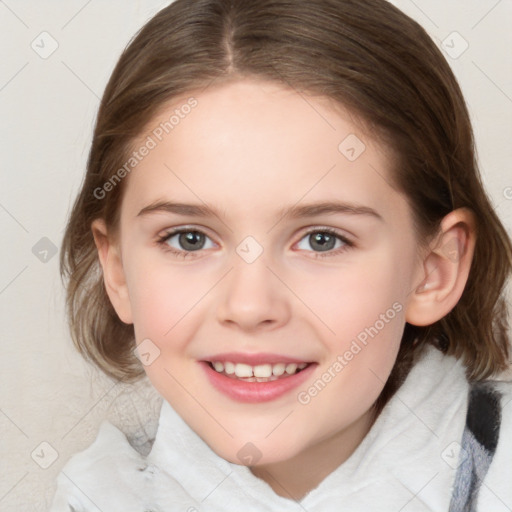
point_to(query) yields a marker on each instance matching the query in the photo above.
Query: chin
(255, 453)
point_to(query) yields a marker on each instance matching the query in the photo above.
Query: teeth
(278, 369)
(219, 367)
(258, 373)
(291, 368)
(262, 370)
(243, 370)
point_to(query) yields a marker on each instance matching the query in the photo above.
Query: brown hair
(367, 56)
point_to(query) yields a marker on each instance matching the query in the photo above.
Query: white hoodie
(407, 462)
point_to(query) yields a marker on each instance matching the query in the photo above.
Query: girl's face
(264, 226)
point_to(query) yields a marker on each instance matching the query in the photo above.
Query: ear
(113, 273)
(444, 269)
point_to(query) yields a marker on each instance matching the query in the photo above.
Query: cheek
(162, 296)
(364, 306)
(166, 304)
(352, 298)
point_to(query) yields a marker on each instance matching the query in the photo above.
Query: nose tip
(251, 297)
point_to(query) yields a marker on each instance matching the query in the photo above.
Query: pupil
(322, 241)
(191, 240)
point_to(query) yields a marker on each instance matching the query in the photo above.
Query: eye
(325, 241)
(182, 242)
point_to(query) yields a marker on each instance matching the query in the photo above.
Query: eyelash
(163, 239)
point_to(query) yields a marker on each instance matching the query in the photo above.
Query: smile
(259, 373)
(240, 381)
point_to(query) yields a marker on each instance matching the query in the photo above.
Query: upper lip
(253, 359)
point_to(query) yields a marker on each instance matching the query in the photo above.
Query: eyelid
(164, 236)
(166, 233)
(346, 243)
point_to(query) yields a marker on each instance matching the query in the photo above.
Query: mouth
(254, 378)
(266, 372)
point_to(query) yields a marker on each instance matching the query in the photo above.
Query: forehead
(254, 146)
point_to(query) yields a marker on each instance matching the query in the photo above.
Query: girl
(283, 225)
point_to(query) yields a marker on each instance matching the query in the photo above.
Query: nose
(253, 298)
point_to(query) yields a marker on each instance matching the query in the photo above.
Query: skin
(249, 149)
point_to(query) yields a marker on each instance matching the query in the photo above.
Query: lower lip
(254, 392)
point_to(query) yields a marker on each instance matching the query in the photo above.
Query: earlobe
(444, 269)
(113, 272)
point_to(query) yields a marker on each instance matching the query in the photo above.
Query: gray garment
(479, 441)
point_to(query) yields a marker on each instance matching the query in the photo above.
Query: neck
(296, 477)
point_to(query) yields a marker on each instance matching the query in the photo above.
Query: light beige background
(47, 106)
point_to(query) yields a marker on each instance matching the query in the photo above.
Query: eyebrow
(328, 207)
(294, 212)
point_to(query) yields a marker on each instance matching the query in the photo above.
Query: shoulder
(91, 477)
